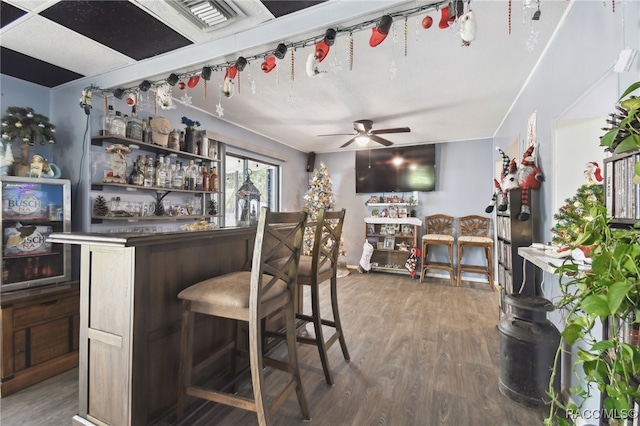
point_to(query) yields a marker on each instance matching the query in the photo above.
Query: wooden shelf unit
(381, 230)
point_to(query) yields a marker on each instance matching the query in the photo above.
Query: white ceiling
(440, 89)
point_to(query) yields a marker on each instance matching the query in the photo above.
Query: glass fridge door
(31, 210)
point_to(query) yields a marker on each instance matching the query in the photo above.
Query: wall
(571, 81)
(20, 93)
(457, 194)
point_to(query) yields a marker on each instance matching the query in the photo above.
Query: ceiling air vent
(205, 14)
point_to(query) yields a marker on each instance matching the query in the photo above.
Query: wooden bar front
(130, 317)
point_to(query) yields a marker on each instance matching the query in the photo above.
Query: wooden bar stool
(439, 231)
(250, 296)
(473, 231)
(321, 266)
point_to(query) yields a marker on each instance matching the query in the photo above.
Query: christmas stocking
(365, 260)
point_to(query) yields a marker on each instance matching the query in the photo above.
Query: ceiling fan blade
(394, 130)
(349, 142)
(339, 134)
(380, 140)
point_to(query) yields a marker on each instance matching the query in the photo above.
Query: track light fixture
(118, 93)
(330, 36)
(206, 73)
(281, 50)
(144, 86)
(172, 79)
(241, 62)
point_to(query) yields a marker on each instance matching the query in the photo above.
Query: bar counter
(130, 317)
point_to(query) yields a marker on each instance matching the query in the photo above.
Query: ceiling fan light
(362, 140)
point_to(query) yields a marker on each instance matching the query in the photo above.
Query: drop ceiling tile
(33, 70)
(120, 25)
(9, 13)
(48, 41)
(281, 8)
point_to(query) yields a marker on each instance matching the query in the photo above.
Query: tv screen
(399, 169)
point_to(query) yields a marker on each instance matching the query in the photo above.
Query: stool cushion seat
(304, 268)
(232, 290)
(437, 237)
(474, 239)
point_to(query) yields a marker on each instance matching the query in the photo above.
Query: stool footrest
(222, 398)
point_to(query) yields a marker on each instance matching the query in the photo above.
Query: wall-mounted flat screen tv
(399, 169)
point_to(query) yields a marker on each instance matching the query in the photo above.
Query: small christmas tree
(100, 207)
(574, 214)
(319, 196)
(24, 124)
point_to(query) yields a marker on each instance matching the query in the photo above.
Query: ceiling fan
(364, 133)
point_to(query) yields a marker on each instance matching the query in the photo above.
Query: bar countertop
(135, 239)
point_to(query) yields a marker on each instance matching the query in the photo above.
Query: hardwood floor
(421, 354)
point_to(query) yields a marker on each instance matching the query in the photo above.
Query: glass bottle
(190, 178)
(181, 140)
(149, 172)
(199, 178)
(169, 170)
(177, 178)
(206, 183)
(214, 179)
(134, 125)
(106, 121)
(161, 173)
(174, 140)
(118, 126)
(149, 131)
(138, 177)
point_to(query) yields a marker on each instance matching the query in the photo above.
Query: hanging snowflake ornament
(335, 65)
(186, 99)
(393, 70)
(532, 41)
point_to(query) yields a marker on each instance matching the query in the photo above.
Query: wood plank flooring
(421, 354)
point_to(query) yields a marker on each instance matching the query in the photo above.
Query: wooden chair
(439, 231)
(250, 296)
(473, 231)
(321, 266)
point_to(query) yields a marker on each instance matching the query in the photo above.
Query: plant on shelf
(624, 133)
(27, 126)
(608, 293)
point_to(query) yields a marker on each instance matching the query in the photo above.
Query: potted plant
(607, 292)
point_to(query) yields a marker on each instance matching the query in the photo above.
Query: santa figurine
(593, 173)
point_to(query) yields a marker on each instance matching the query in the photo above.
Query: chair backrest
(439, 224)
(276, 252)
(326, 241)
(474, 226)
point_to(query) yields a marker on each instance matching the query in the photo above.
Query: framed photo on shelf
(389, 243)
(371, 228)
(393, 212)
(380, 245)
(402, 212)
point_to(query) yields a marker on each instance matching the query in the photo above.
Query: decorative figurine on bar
(118, 163)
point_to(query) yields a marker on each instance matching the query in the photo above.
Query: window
(264, 176)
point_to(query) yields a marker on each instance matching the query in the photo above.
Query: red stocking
(444, 19)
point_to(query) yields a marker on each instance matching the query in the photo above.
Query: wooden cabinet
(622, 196)
(39, 335)
(392, 239)
(131, 205)
(511, 234)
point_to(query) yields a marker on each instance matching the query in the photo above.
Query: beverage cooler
(31, 210)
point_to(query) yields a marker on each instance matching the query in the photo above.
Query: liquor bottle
(169, 170)
(174, 140)
(149, 172)
(138, 172)
(144, 130)
(190, 176)
(133, 172)
(199, 178)
(149, 131)
(161, 173)
(178, 176)
(134, 125)
(214, 179)
(106, 121)
(118, 126)
(206, 183)
(181, 140)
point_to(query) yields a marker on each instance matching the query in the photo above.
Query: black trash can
(528, 345)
